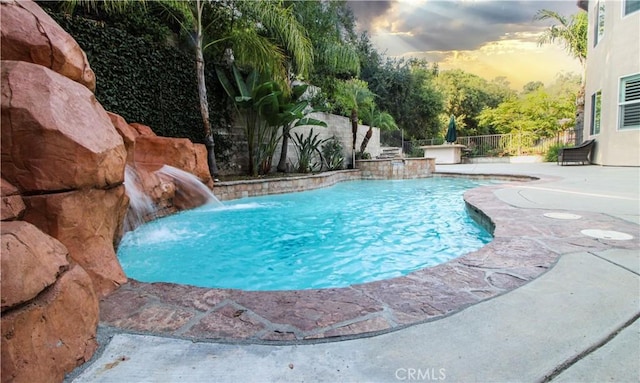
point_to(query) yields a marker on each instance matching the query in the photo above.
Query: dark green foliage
(332, 154)
(405, 90)
(309, 155)
(145, 81)
(553, 151)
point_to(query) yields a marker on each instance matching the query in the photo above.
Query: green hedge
(146, 82)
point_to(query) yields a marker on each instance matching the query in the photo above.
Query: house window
(599, 23)
(596, 109)
(630, 102)
(631, 6)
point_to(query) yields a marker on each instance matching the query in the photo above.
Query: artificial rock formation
(31, 262)
(29, 34)
(148, 151)
(12, 205)
(58, 150)
(75, 143)
(51, 335)
(87, 222)
(79, 156)
(63, 198)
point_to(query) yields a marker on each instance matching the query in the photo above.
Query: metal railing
(498, 145)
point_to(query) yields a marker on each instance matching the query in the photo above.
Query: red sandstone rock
(142, 130)
(55, 134)
(152, 152)
(31, 261)
(128, 134)
(54, 333)
(29, 34)
(202, 168)
(12, 205)
(85, 221)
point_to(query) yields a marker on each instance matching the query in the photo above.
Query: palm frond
(113, 7)
(340, 58)
(283, 25)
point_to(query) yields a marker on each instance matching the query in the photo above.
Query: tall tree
(536, 111)
(260, 35)
(332, 25)
(466, 95)
(572, 33)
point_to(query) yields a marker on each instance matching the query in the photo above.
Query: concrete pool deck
(578, 321)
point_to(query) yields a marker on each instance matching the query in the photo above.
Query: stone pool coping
(526, 244)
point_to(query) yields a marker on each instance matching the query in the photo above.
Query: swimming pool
(350, 233)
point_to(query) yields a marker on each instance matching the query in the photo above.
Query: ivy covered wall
(149, 82)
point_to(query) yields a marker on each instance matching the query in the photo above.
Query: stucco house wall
(615, 56)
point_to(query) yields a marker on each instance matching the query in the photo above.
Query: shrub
(332, 154)
(552, 153)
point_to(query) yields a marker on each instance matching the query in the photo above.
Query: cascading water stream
(141, 207)
(189, 185)
(189, 192)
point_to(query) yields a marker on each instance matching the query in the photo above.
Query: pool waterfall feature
(164, 191)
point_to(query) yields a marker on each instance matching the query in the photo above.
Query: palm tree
(293, 112)
(353, 95)
(247, 42)
(573, 35)
(266, 36)
(375, 119)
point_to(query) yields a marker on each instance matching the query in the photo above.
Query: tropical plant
(308, 148)
(332, 154)
(292, 112)
(253, 98)
(261, 34)
(375, 119)
(352, 95)
(267, 36)
(572, 33)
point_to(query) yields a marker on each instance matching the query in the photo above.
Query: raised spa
(350, 233)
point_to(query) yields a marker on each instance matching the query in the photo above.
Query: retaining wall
(406, 168)
(396, 168)
(229, 190)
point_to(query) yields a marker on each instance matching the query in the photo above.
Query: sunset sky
(485, 37)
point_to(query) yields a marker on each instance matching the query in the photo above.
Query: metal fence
(498, 145)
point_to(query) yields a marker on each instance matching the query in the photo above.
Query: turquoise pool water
(350, 233)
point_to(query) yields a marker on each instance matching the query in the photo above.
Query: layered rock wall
(62, 189)
(62, 162)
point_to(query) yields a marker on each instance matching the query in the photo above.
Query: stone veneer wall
(407, 168)
(251, 188)
(396, 168)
